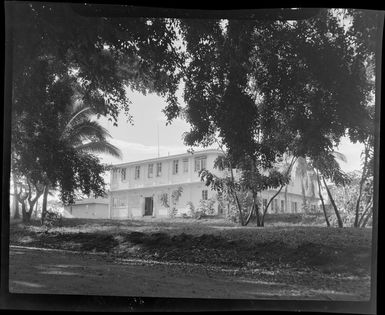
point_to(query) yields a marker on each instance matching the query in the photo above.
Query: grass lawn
(284, 243)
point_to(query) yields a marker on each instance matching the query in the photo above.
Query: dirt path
(60, 272)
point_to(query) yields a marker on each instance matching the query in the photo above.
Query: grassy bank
(210, 241)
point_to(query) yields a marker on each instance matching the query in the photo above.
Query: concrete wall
(135, 205)
(89, 211)
(167, 177)
(132, 192)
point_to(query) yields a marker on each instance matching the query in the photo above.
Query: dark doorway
(148, 205)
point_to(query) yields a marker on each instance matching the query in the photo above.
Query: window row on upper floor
(177, 167)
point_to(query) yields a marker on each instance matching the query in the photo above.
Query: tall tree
(263, 88)
(329, 168)
(243, 189)
(61, 56)
(77, 129)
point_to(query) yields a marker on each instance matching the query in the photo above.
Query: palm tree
(321, 197)
(304, 171)
(328, 167)
(83, 133)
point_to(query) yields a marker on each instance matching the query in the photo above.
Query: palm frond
(78, 112)
(339, 156)
(88, 129)
(101, 147)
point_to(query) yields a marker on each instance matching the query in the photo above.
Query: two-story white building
(141, 188)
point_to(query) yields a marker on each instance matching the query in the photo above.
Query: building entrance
(148, 205)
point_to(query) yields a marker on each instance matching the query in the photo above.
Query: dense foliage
(61, 59)
(262, 88)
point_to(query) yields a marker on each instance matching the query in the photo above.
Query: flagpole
(158, 137)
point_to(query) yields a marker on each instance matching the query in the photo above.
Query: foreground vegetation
(212, 242)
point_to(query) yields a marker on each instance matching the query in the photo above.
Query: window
(185, 165)
(264, 203)
(114, 174)
(175, 166)
(137, 172)
(204, 194)
(275, 205)
(158, 169)
(282, 206)
(200, 164)
(294, 207)
(150, 170)
(123, 174)
(119, 202)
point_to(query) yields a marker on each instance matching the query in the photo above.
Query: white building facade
(145, 188)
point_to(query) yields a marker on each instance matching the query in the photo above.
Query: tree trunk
(16, 215)
(268, 204)
(23, 207)
(44, 205)
(258, 217)
(23, 213)
(254, 208)
(322, 200)
(303, 196)
(277, 193)
(367, 218)
(32, 201)
(363, 216)
(36, 207)
(339, 220)
(26, 218)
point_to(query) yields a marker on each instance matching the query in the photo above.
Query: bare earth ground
(200, 259)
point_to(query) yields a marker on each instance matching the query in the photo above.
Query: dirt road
(36, 271)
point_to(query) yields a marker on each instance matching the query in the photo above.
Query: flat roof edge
(167, 157)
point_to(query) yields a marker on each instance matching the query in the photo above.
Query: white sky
(140, 141)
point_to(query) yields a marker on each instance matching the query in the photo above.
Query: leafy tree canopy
(269, 87)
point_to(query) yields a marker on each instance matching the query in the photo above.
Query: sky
(140, 140)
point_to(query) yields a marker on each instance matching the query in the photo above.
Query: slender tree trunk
(16, 215)
(362, 181)
(254, 208)
(44, 205)
(32, 201)
(24, 213)
(36, 206)
(367, 218)
(368, 208)
(322, 200)
(268, 204)
(258, 217)
(277, 193)
(339, 220)
(235, 197)
(303, 196)
(23, 206)
(25, 217)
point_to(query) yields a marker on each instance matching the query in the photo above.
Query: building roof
(168, 157)
(92, 200)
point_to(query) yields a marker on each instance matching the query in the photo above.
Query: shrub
(191, 209)
(172, 211)
(53, 218)
(206, 206)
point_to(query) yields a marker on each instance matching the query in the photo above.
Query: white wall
(89, 211)
(134, 191)
(167, 177)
